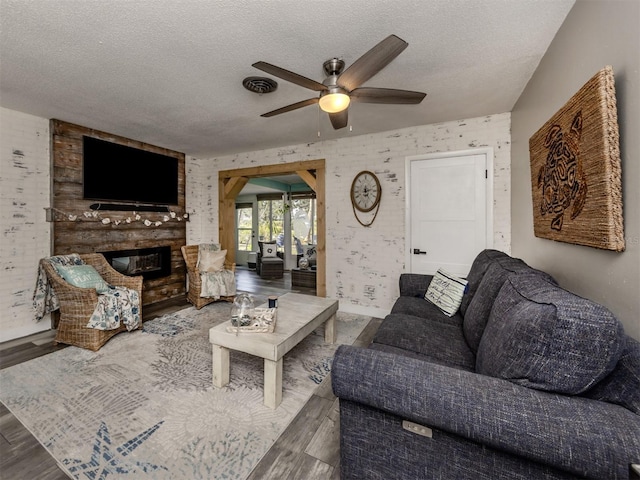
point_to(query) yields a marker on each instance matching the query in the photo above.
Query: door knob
(417, 251)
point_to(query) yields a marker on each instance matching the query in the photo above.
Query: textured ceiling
(169, 72)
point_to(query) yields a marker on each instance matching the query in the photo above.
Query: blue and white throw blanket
(115, 305)
(44, 298)
(118, 304)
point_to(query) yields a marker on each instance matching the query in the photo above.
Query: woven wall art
(575, 170)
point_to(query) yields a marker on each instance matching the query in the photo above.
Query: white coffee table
(298, 315)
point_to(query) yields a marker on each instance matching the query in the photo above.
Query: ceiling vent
(260, 84)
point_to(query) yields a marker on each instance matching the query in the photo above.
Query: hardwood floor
(309, 449)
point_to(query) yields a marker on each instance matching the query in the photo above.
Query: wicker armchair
(190, 255)
(77, 304)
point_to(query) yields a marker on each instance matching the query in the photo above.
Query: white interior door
(449, 210)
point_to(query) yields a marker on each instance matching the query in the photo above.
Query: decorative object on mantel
(365, 195)
(576, 172)
(55, 214)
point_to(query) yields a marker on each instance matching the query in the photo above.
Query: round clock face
(365, 191)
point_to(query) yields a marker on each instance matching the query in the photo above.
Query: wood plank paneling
(86, 235)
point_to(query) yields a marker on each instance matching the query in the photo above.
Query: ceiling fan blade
(339, 120)
(293, 106)
(290, 76)
(386, 95)
(371, 62)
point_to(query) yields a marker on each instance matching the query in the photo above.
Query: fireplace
(149, 262)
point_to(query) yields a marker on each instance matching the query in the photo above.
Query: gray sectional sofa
(525, 381)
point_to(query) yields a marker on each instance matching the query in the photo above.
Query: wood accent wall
(87, 235)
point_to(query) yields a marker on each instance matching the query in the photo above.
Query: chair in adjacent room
(269, 264)
(210, 277)
(58, 288)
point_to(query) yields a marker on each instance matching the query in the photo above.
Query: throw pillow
(211, 261)
(82, 276)
(269, 250)
(541, 336)
(445, 292)
(206, 247)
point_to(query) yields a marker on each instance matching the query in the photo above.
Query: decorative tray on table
(263, 321)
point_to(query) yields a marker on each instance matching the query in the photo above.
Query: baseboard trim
(363, 310)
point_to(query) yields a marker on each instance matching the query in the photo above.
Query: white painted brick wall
(363, 264)
(24, 194)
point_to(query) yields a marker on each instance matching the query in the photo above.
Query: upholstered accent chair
(77, 304)
(190, 253)
(269, 263)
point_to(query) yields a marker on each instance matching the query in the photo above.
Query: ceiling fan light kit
(334, 102)
(340, 88)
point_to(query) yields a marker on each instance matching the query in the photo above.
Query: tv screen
(113, 172)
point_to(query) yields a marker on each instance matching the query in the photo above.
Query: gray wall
(596, 33)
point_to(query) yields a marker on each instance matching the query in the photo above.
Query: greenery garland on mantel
(57, 215)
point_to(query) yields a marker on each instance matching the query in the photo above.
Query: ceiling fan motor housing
(333, 66)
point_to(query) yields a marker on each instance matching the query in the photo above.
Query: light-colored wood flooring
(309, 449)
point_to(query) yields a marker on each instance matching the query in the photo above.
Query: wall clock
(365, 195)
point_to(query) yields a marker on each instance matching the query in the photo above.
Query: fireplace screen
(148, 262)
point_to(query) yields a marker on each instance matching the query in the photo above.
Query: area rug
(144, 407)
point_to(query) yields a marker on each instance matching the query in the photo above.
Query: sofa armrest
(579, 435)
(414, 284)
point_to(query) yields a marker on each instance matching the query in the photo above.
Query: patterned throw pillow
(445, 292)
(212, 261)
(269, 250)
(83, 276)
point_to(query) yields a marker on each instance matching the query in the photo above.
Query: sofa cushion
(419, 307)
(381, 347)
(414, 284)
(541, 336)
(440, 341)
(477, 314)
(478, 268)
(622, 386)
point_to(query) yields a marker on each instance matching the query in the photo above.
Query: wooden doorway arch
(231, 183)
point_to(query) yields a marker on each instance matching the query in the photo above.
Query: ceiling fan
(340, 88)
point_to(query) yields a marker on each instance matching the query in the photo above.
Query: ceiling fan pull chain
(360, 221)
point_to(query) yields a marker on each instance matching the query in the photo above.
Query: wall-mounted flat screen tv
(119, 173)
